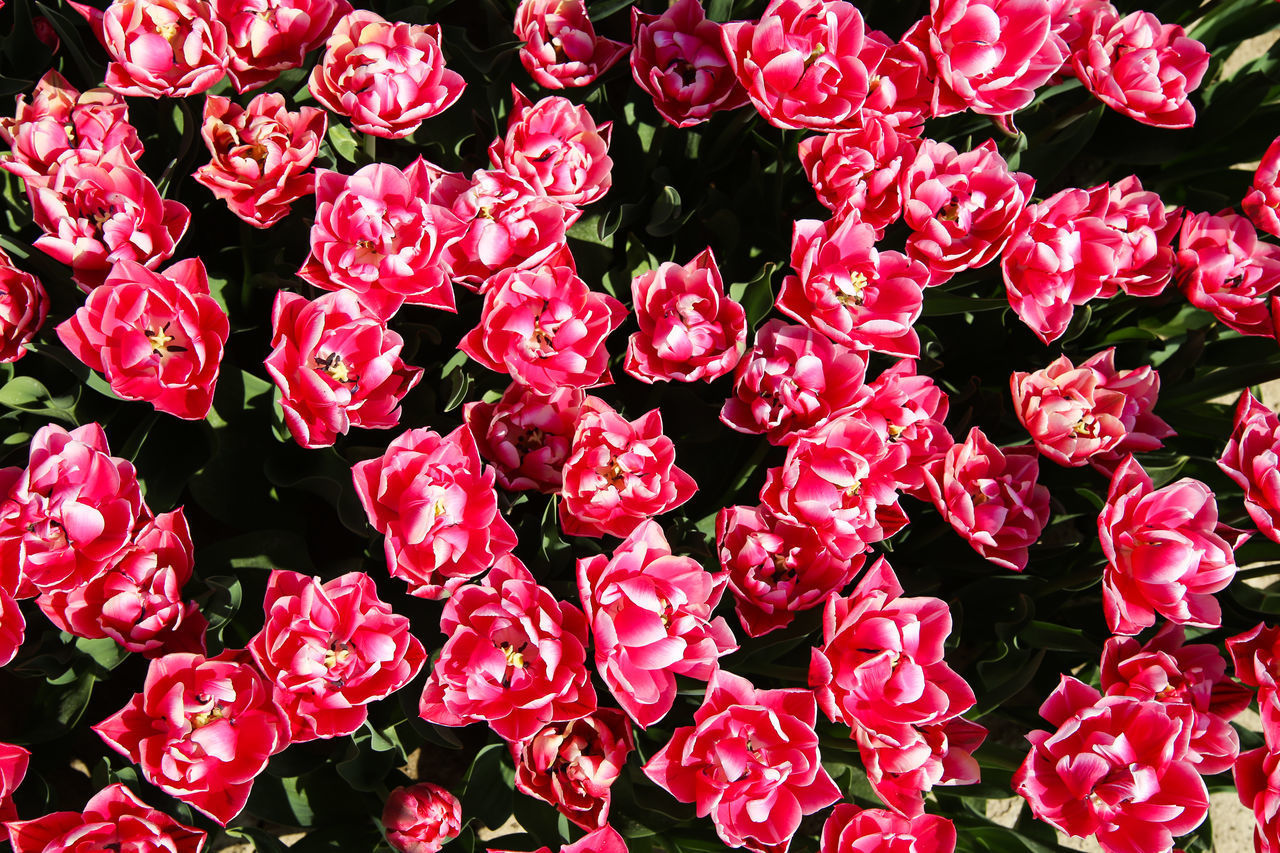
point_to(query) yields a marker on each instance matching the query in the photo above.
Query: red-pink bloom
(1252, 459)
(201, 729)
(650, 614)
(603, 840)
(266, 37)
(138, 601)
(330, 649)
(61, 118)
(526, 436)
(881, 672)
(1145, 260)
(1223, 268)
(850, 829)
(561, 48)
(113, 819)
(13, 625)
(1061, 255)
(572, 765)
(161, 48)
(438, 508)
(383, 233)
(1141, 67)
(776, 569)
(1166, 552)
(1255, 654)
(750, 760)
(337, 366)
(1089, 414)
(507, 224)
(962, 208)
(1116, 768)
(1262, 201)
(1257, 777)
(841, 480)
(421, 818)
(858, 170)
(98, 210)
(908, 410)
(806, 63)
(792, 380)
(546, 328)
(689, 328)
(557, 147)
(619, 473)
(943, 755)
(991, 497)
(261, 155)
(849, 291)
(515, 657)
(156, 336)
(677, 57)
(24, 305)
(991, 55)
(1072, 19)
(387, 77)
(901, 90)
(13, 767)
(1165, 670)
(71, 512)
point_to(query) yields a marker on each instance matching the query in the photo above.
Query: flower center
(852, 294)
(214, 713)
(162, 343)
(530, 440)
(337, 369)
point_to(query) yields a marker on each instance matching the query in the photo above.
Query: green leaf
(262, 841)
(29, 395)
(755, 296)
(106, 652)
(344, 144)
(490, 787)
(224, 602)
(664, 216)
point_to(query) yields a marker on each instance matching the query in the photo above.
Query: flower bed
(646, 426)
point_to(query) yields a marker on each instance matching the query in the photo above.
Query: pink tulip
(689, 329)
(750, 760)
(1166, 552)
(437, 506)
(1116, 768)
(573, 764)
(678, 58)
(329, 649)
(337, 366)
(526, 435)
(515, 657)
(201, 729)
(546, 328)
(1252, 459)
(261, 155)
(561, 48)
(650, 615)
(557, 147)
(387, 77)
(421, 818)
(619, 473)
(157, 337)
(113, 819)
(266, 37)
(992, 498)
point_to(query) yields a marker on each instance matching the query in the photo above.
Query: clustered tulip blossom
(843, 394)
